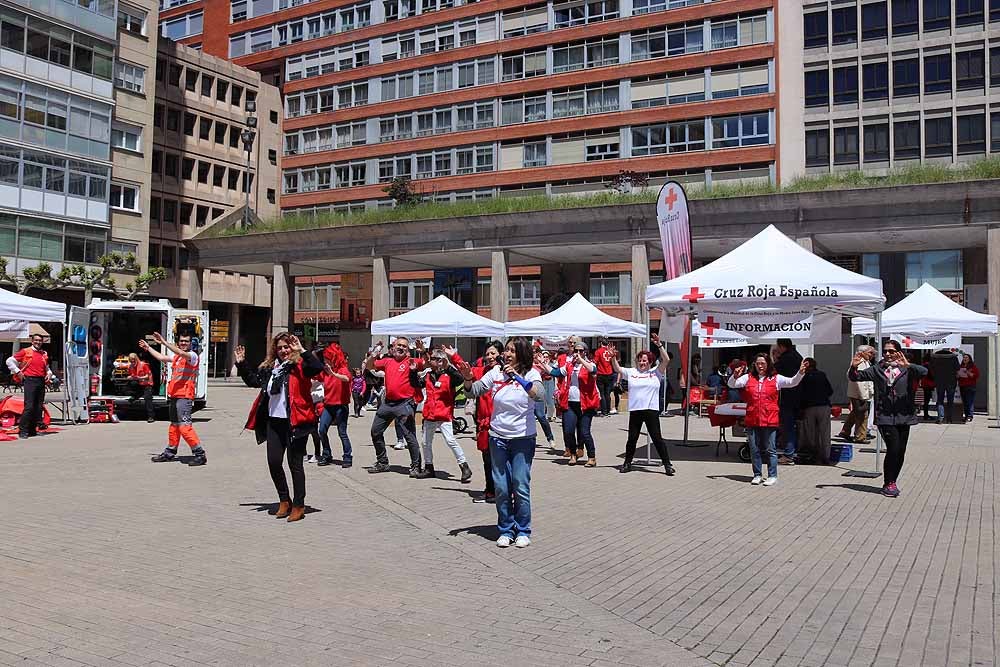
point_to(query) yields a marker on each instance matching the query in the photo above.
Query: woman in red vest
(579, 400)
(760, 391)
(484, 411)
(283, 415)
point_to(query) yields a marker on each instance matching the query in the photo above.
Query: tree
(627, 182)
(89, 279)
(402, 192)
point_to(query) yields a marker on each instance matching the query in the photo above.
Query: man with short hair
(180, 397)
(788, 363)
(860, 394)
(398, 406)
(605, 375)
(31, 365)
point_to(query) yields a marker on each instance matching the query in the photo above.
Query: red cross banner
(735, 328)
(928, 342)
(675, 229)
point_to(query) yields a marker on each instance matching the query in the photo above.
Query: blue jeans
(576, 428)
(968, 400)
(789, 431)
(549, 390)
(945, 397)
(334, 414)
(511, 459)
(763, 437)
(543, 419)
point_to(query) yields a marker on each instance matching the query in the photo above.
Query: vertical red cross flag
(674, 222)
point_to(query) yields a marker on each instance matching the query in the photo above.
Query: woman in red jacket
(283, 415)
(760, 391)
(484, 411)
(968, 375)
(441, 381)
(579, 400)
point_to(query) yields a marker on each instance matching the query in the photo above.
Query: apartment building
(891, 83)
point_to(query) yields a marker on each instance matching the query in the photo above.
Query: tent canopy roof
(927, 311)
(772, 270)
(575, 317)
(439, 317)
(14, 306)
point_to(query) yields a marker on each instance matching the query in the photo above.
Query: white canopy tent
(18, 310)
(439, 317)
(769, 271)
(576, 317)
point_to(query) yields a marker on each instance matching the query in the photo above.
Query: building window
(185, 26)
(968, 12)
(483, 293)
(877, 142)
(845, 145)
(937, 15)
(814, 25)
(817, 88)
(995, 65)
(126, 137)
(906, 139)
(845, 84)
(937, 74)
(125, 197)
(905, 77)
(905, 17)
(995, 132)
(941, 268)
(875, 82)
(972, 134)
(410, 295)
(874, 21)
(131, 20)
(611, 289)
(524, 291)
(534, 154)
(129, 77)
(937, 137)
(817, 148)
(970, 70)
(845, 25)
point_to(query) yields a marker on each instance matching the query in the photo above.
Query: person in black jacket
(895, 380)
(814, 400)
(788, 363)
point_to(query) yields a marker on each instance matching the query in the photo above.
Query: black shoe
(23, 436)
(163, 457)
(324, 461)
(415, 471)
(669, 469)
(939, 421)
(426, 473)
(377, 468)
(198, 460)
(347, 463)
(466, 472)
(626, 467)
(150, 420)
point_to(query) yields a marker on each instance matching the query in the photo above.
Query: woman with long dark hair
(515, 387)
(484, 410)
(760, 390)
(968, 375)
(283, 415)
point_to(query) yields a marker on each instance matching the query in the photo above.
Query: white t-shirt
(277, 404)
(513, 410)
(643, 389)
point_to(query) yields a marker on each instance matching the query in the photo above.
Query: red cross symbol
(907, 342)
(670, 199)
(710, 325)
(693, 295)
(708, 341)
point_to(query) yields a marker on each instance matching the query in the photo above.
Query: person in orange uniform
(32, 365)
(141, 376)
(180, 397)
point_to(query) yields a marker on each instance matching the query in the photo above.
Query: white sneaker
(522, 541)
(399, 445)
(770, 481)
(503, 541)
(310, 459)
(614, 412)
(756, 479)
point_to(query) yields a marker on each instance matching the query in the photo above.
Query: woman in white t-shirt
(515, 387)
(644, 402)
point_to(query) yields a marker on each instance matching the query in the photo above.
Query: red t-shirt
(336, 391)
(37, 362)
(397, 377)
(603, 360)
(140, 369)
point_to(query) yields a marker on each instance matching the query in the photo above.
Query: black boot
(415, 471)
(466, 472)
(626, 466)
(669, 469)
(426, 473)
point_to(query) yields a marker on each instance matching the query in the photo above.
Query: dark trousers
(895, 437)
(400, 412)
(604, 385)
(488, 468)
(146, 392)
(359, 401)
(34, 400)
(280, 441)
(968, 400)
(651, 419)
(576, 429)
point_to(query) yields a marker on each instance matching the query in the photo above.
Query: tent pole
(649, 328)
(878, 433)
(685, 405)
(996, 373)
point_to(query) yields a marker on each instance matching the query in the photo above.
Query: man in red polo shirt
(32, 365)
(605, 375)
(399, 405)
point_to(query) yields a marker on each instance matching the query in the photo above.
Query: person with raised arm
(441, 381)
(31, 366)
(180, 396)
(399, 405)
(484, 411)
(336, 381)
(579, 400)
(644, 402)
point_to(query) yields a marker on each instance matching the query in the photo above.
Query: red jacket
(761, 397)
(439, 401)
(484, 411)
(590, 398)
(336, 391)
(971, 375)
(301, 412)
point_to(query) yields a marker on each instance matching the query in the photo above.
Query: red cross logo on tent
(708, 341)
(907, 342)
(710, 325)
(693, 295)
(670, 199)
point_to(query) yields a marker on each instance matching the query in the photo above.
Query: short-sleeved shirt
(513, 410)
(643, 389)
(37, 362)
(602, 357)
(397, 378)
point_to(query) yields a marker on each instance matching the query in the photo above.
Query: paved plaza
(108, 559)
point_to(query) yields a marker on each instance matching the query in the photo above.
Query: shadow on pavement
(487, 532)
(853, 487)
(272, 508)
(735, 478)
(472, 493)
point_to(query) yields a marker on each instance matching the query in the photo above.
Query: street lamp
(247, 136)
